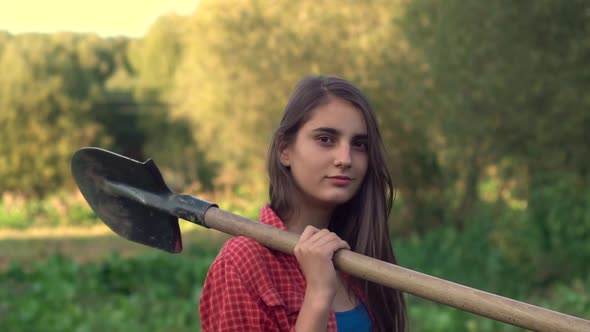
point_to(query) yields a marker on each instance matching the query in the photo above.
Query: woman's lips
(340, 180)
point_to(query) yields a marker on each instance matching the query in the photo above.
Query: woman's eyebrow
(336, 132)
(327, 130)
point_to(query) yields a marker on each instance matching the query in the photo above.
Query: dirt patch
(54, 232)
(83, 245)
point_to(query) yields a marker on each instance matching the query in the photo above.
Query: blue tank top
(357, 320)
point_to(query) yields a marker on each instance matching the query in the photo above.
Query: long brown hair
(362, 221)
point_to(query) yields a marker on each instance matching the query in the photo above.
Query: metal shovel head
(95, 169)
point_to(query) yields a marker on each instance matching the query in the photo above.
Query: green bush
(60, 209)
(470, 257)
(550, 238)
(157, 292)
(479, 257)
(13, 218)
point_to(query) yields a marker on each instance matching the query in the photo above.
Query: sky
(107, 18)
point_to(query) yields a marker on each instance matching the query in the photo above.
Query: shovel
(132, 198)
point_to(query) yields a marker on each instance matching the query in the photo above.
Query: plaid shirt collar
(269, 217)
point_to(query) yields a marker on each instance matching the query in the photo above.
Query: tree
(509, 90)
(232, 86)
(47, 89)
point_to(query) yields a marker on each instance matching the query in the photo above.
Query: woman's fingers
(314, 252)
(320, 241)
(332, 241)
(308, 232)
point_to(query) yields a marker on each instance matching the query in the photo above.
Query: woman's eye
(361, 146)
(325, 139)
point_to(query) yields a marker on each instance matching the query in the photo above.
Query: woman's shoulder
(241, 245)
(243, 252)
(254, 265)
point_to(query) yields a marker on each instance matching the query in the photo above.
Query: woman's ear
(284, 154)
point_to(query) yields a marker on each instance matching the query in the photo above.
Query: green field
(104, 283)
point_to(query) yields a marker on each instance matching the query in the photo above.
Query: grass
(155, 291)
(89, 279)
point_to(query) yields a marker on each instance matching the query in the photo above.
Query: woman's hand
(314, 252)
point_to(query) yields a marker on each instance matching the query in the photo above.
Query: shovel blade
(93, 169)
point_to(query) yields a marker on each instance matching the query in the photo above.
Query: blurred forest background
(483, 106)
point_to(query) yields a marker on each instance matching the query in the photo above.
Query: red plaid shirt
(252, 288)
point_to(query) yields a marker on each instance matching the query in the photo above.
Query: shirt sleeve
(230, 304)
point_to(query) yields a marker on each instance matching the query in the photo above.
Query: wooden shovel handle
(422, 285)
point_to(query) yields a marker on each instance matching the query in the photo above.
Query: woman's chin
(336, 200)
(329, 199)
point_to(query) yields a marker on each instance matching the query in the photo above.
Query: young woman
(328, 182)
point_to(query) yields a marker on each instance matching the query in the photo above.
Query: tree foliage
(47, 90)
(469, 95)
(242, 60)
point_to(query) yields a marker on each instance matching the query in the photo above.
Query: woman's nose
(342, 157)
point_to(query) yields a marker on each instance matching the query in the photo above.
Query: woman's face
(328, 158)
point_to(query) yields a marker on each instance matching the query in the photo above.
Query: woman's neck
(303, 215)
